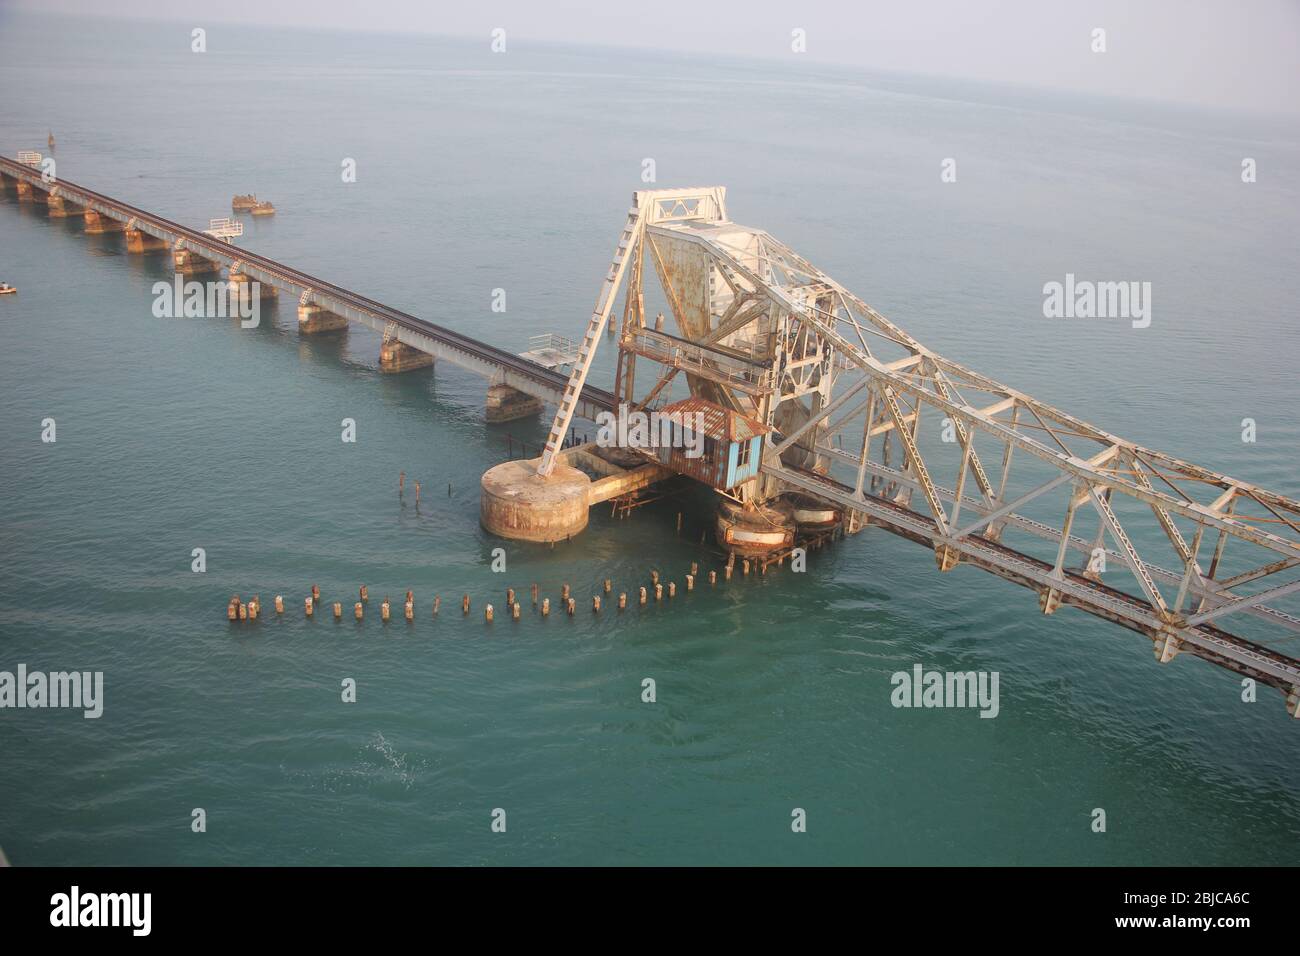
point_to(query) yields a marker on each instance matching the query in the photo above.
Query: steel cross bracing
(1171, 550)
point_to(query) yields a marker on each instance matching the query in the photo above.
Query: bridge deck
(497, 365)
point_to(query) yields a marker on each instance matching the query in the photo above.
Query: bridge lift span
(1007, 483)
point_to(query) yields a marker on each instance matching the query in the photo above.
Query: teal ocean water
(478, 171)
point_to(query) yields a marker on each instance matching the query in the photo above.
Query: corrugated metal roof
(720, 423)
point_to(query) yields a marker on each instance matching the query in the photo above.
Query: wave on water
(376, 763)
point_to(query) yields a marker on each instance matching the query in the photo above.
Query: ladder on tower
(587, 350)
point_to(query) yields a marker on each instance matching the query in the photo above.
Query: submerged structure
(856, 421)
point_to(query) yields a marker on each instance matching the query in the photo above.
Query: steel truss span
(996, 480)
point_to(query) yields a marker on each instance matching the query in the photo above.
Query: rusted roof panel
(721, 423)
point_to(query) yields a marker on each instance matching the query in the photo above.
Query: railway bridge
(780, 357)
(518, 385)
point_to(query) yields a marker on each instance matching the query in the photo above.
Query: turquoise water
(478, 172)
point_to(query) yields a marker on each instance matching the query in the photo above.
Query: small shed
(728, 443)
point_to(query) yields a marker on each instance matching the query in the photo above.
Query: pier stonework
(98, 224)
(61, 208)
(516, 504)
(506, 404)
(25, 191)
(137, 241)
(395, 356)
(312, 320)
(240, 289)
(188, 263)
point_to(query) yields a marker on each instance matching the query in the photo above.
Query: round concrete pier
(517, 504)
(753, 532)
(810, 514)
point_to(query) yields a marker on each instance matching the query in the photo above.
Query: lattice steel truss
(846, 392)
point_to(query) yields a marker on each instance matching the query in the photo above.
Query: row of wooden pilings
(239, 610)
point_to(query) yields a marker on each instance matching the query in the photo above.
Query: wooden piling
(713, 577)
(315, 593)
(356, 610)
(672, 589)
(546, 606)
(307, 606)
(437, 603)
(279, 604)
(654, 577)
(534, 589)
(410, 610)
(609, 585)
(595, 603)
(364, 593)
(338, 610)
(690, 582)
(573, 606)
(659, 592)
(643, 595)
(464, 604)
(487, 613)
(622, 600)
(514, 610)
(510, 596)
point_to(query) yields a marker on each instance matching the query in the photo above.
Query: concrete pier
(516, 503)
(97, 225)
(312, 320)
(137, 241)
(505, 404)
(26, 192)
(240, 289)
(60, 208)
(395, 356)
(188, 263)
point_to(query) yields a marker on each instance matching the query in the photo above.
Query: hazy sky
(1239, 54)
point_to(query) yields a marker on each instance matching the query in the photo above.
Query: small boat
(7, 289)
(263, 209)
(243, 203)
